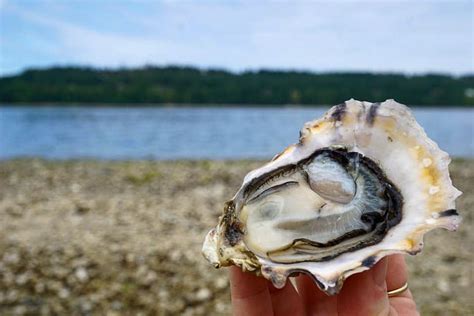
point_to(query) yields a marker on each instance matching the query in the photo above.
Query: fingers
(365, 293)
(362, 294)
(397, 274)
(250, 295)
(403, 306)
(286, 301)
(315, 300)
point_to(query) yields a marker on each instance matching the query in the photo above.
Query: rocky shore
(124, 238)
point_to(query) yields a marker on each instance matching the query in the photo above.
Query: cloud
(81, 44)
(345, 35)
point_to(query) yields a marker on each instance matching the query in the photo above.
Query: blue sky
(401, 36)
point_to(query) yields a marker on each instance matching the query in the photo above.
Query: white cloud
(347, 35)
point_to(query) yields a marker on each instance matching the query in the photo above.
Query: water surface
(186, 133)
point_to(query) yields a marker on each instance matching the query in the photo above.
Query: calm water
(191, 133)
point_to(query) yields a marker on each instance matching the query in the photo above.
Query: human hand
(362, 294)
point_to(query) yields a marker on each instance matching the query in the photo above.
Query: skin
(362, 294)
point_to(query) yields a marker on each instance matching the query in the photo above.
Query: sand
(121, 238)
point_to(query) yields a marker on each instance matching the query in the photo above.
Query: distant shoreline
(455, 160)
(200, 105)
(194, 86)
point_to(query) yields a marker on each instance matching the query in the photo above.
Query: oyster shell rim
(331, 283)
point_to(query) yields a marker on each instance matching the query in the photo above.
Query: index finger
(249, 293)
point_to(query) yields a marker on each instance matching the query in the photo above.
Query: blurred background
(125, 126)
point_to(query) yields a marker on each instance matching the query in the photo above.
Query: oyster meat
(363, 182)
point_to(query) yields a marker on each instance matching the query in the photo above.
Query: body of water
(186, 133)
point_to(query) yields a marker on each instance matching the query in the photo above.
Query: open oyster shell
(363, 182)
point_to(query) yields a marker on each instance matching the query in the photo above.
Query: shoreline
(93, 236)
(135, 105)
(454, 160)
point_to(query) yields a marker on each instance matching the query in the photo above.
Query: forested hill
(185, 85)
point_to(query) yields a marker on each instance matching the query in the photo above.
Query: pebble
(116, 305)
(203, 294)
(81, 274)
(221, 283)
(39, 288)
(22, 279)
(8, 278)
(163, 295)
(64, 293)
(20, 310)
(75, 187)
(150, 278)
(12, 296)
(86, 306)
(443, 286)
(175, 255)
(11, 258)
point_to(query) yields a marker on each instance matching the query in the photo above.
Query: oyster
(363, 182)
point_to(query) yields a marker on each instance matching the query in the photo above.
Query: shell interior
(331, 203)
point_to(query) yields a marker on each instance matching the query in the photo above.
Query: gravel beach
(124, 238)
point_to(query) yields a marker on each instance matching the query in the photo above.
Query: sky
(380, 36)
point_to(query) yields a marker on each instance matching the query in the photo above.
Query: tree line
(188, 85)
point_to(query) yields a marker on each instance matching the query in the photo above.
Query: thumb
(365, 293)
